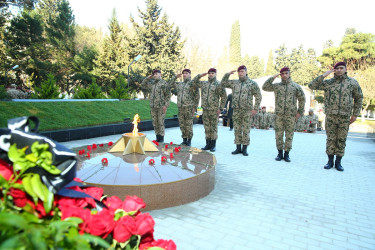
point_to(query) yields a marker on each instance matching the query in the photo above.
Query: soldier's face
(264, 110)
(211, 75)
(340, 70)
(242, 73)
(285, 75)
(311, 113)
(186, 75)
(156, 75)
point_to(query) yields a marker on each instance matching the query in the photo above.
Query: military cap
(187, 70)
(156, 71)
(340, 64)
(242, 67)
(212, 70)
(284, 69)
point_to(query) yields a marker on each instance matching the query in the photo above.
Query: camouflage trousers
(241, 123)
(210, 121)
(157, 116)
(284, 124)
(185, 119)
(337, 127)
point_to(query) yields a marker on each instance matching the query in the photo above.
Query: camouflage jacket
(300, 124)
(187, 93)
(286, 95)
(213, 94)
(311, 121)
(263, 120)
(339, 93)
(243, 92)
(160, 95)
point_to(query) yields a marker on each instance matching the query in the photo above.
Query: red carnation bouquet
(33, 217)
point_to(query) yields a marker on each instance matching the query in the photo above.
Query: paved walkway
(259, 203)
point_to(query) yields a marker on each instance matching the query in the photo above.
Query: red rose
(77, 179)
(133, 203)
(89, 148)
(124, 229)
(6, 170)
(163, 159)
(165, 244)
(81, 152)
(94, 146)
(171, 143)
(144, 223)
(179, 147)
(151, 161)
(71, 202)
(110, 143)
(101, 145)
(88, 155)
(105, 162)
(19, 197)
(171, 155)
(113, 203)
(155, 142)
(176, 150)
(101, 224)
(71, 211)
(166, 146)
(95, 192)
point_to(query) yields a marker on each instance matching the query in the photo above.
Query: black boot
(157, 138)
(329, 164)
(188, 142)
(184, 141)
(279, 157)
(238, 150)
(213, 146)
(161, 138)
(286, 156)
(208, 145)
(244, 150)
(338, 163)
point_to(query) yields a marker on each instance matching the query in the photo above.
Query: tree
(158, 41)
(87, 37)
(199, 59)
(121, 90)
(48, 89)
(366, 79)
(270, 68)
(235, 57)
(223, 64)
(255, 68)
(93, 91)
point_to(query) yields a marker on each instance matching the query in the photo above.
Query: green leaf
(15, 242)
(4, 183)
(97, 241)
(49, 202)
(14, 154)
(8, 221)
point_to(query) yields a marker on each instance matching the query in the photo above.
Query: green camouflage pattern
(300, 124)
(213, 95)
(284, 123)
(241, 124)
(342, 95)
(263, 120)
(159, 92)
(311, 122)
(185, 120)
(158, 116)
(187, 93)
(337, 127)
(210, 121)
(287, 93)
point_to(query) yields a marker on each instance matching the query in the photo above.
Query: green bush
(48, 89)
(3, 93)
(93, 91)
(120, 91)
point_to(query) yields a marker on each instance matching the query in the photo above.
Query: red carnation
(89, 148)
(110, 143)
(151, 161)
(155, 142)
(105, 162)
(163, 158)
(171, 143)
(166, 146)
(101, 145)
(88, 155)
(94, 146)
(176, 149)
(171, 155)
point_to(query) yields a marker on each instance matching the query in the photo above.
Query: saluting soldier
(342, 104)
(287, 93)
(213, 96)
(187, 102)
(160, 96)
(244, 90)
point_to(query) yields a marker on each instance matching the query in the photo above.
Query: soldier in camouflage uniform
(342, 103)
(244, 90)
(287, 93)
(213, 96)
(187, 102)
(300, 124)
(311, 121)
(253, 121)
(263, 119)
(160, 96)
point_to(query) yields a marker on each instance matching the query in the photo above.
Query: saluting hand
(149, 77)
(232, 72)
(328, 72)
(276, 75)
(178, 75)
(353, 118)
(203, 74)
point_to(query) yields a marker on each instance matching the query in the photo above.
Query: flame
(136, 120)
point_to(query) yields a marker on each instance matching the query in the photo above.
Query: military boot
(279, 157)
(244, 150)
(286, 156)
(188, 142)
(213, 146)
(329, 164)
(208, 145)
(238, 150)
(161, 138)
(338, 163)
(157, 138)
(184, 140)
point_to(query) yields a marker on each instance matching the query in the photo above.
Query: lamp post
(135, 60)
(14, 67)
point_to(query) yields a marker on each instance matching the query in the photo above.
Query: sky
(265, 24)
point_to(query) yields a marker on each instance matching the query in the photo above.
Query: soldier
(300, 125)
(263, 119)
(253, 121)
(244, 90)
(311, 121)
(160, 97)
(228, 106)
(213, 95)
(287, 93)
(187, 102)
(339, 94)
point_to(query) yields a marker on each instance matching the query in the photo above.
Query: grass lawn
(61, 115)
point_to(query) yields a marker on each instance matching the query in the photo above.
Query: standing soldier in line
(187, 102)
(213, 96)
(342, 104)
(300, 125)
(311, 122)
(263, 119)
(160, 97)
(287, 93)
(244, 90)
(228, 106)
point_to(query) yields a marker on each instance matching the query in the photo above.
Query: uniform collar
(187, 80)
(286, 81)
(344, 76)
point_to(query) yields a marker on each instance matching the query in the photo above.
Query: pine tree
(158, 41)
(235, 45)
(270, 69)
(48, 89)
